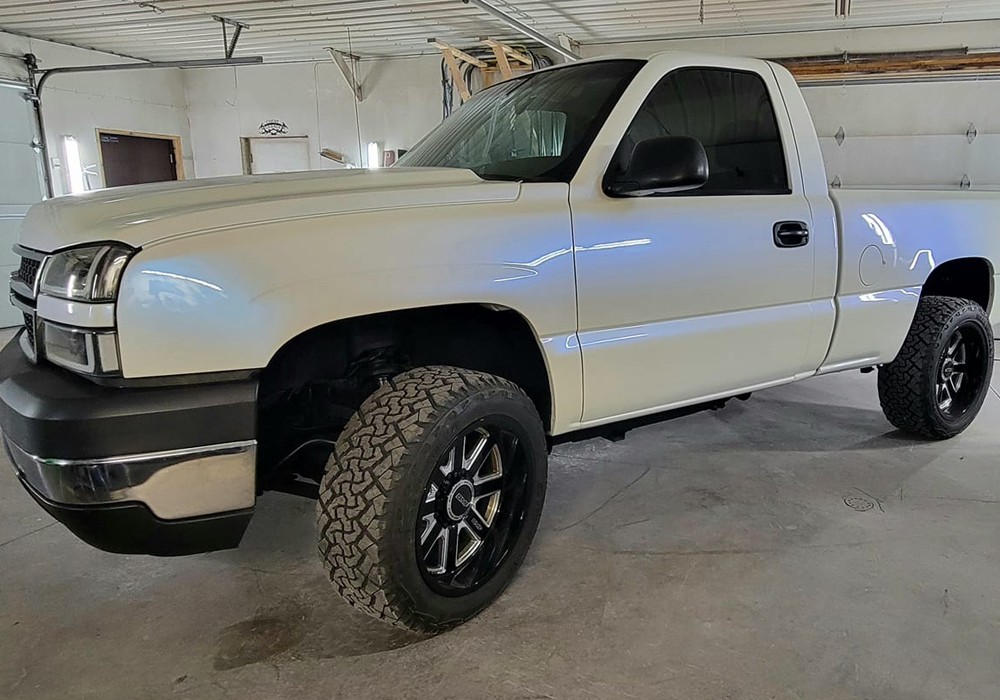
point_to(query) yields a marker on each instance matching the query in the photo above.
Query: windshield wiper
(499, 176)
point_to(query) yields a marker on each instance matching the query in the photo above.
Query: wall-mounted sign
(272, 127)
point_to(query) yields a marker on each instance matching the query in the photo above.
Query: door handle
(791, 234)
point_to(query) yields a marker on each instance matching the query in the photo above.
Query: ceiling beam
(520, 26)
(46, 73)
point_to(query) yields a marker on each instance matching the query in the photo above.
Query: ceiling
(286, 30)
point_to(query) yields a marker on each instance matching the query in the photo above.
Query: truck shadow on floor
(316, 626)
(308, 619)
(295, 611)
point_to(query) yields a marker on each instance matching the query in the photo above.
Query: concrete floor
(793, 546)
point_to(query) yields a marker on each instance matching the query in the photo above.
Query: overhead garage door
(20, 182)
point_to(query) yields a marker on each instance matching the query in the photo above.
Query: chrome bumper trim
(173, 484)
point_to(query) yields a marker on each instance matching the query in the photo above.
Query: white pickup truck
(572, 252)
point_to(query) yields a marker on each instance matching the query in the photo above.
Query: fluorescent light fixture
(74, 168)
(374, 155)
(983, 49)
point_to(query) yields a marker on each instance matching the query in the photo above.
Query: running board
(616, 432)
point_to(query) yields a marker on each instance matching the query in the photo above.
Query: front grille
(28, 271)
(29, 329)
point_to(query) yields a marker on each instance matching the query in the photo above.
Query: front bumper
(165, 470)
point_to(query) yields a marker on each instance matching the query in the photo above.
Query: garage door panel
(20, 182)
(917, 161)
(9, 316)
(8, 236)
(17, 124)
(985, 168)
(18, 174)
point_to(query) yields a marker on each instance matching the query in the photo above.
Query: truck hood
(142, 215)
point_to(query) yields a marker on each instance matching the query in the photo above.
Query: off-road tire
(906, 386)
(366, 514)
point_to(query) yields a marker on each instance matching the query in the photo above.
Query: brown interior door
(131, 160)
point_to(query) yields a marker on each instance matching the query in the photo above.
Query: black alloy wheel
(472, 509)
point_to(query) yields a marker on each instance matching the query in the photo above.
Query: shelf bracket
(344, 62)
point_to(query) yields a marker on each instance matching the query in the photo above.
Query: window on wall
(731, 113)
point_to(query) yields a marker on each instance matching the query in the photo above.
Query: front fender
(228, 300)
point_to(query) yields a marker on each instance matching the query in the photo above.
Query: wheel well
(316, 381)
(965, 278)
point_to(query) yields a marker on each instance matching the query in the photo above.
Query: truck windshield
(536, 128)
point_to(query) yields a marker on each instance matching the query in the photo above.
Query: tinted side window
(731, 114)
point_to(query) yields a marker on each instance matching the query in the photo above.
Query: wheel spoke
(475, 521)
(944, 396)
(956, 340)
(507, 455)
(489, 487)
(486, 555)
(955, 382)
(431, 527)
(959, 356)
(449, 466)
(463, 554)
(472, 461)
(438, 564)
(429, 506)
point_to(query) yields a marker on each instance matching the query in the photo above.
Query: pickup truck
(573, 252)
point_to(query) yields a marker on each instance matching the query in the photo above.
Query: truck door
(704, 293)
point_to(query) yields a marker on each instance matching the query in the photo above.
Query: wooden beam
(882, 65)
(502, 63)
(458, 53)
(456, 74)
(509, 51)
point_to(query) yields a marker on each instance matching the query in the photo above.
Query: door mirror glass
(660, 165)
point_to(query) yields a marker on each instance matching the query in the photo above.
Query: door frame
(246, 148)
(176, 140)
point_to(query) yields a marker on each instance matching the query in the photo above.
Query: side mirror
(660, 165)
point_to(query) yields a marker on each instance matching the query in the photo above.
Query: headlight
(85, 274)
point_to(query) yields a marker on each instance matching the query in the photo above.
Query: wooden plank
(459, 54)
(456, 73)
(821, 69)
(509, 51)
(502, 63)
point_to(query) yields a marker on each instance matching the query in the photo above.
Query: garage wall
(401, 103)
(147, 101)
(905, 134)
